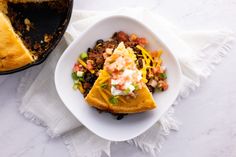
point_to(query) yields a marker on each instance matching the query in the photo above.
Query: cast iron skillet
(45, 19)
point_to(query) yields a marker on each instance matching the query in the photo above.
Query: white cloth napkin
(197, 52)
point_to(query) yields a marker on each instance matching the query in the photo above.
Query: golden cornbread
(3, 6)
(27, 1)
(13, 53)
(99, 98)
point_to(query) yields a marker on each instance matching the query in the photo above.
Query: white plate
(104, 124)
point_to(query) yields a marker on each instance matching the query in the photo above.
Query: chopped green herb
(75, 86)
(136, 87)
(84, 55)
(76, 81)
(81, 79)
(74, 76)
(104, 85)
(127, 91)
(158, 89)
(113, 100)
(163, 76)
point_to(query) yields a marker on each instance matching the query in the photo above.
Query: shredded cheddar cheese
(157, 61)
(145, 53)
(144, 72)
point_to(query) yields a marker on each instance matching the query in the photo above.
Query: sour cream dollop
(125, 77)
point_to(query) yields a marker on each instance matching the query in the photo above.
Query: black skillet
(46, 19)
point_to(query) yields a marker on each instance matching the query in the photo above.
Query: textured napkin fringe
(163, 127)
(36, 120)
(209, 64)
(224, 48)
(22, 109)
(168, 122)
(20, 92)
(69, 146)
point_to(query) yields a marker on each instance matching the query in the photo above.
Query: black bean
(151, 64)
(89, 49)
(114, 35)
(90, 78)
(136, 50)
(100, 41)
(99, 111)
(140, 63)
(122, 36)
(120, 116)
(100, 49)
(99, 66)
(151, 89)
(86, 91)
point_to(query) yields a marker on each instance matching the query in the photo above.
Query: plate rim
(179, 72)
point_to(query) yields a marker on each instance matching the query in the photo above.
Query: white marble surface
(208, 115)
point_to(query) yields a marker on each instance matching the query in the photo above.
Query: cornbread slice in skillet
(13, 53)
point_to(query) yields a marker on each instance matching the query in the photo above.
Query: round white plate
(104, 124)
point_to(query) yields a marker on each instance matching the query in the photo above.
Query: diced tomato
(154, 54)
(150, 74)
(142, 41)
(87, 85)
(115, 71)
(133, 37)
(105, 55)
(76, 68)
(89, 64)
(157, 70)
(163, 85)
(126, 78)
(120, 87)
(122, 36)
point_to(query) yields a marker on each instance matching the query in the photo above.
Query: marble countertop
(207, 115)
